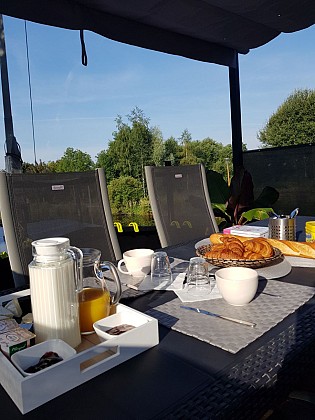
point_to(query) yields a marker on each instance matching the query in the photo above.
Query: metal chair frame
(92, 217)
(164, 223)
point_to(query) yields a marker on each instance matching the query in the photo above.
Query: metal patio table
(184, 377)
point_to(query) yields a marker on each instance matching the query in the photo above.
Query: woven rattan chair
(73, 205)
(180, 203)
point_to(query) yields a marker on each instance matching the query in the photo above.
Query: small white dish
(30, 356)
(129, 317)
(203, 242)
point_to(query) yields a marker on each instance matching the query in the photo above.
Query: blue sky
(76, 106)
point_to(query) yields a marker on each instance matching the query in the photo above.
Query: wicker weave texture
(221, 262)
(247, 389)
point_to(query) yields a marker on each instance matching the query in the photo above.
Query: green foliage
(293, 122)
(131, 148)
(255, 214)
(220, 194)
(218, 189)
(213, 154)
(188, 157)
(173, 151)
(74, 161)
(124, 194)
(136, 144)
(3, 255)
(144, 206)
(158, 154)
(224, 219)
(106, 160)
(207, 151)
(40, 168)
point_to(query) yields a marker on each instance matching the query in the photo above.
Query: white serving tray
(91, 360)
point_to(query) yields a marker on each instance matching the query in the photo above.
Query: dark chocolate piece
(120, 329)
(48, 359)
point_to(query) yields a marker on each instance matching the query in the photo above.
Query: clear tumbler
(198, 280)
(161, 273)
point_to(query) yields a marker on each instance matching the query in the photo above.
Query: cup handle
(120, 269)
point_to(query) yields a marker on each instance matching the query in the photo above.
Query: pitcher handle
(113, 269)
(77, 256)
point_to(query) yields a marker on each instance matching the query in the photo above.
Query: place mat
(275, 270)
(265, 310)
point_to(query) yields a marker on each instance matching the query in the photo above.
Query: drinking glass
(161, 273)
(198, 280)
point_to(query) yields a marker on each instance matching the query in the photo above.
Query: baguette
(290, 248)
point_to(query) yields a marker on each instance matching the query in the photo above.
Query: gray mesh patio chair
(73, 205)
(180, 203)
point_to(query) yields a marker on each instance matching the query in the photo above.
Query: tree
(132, 146)
(107, 160)
(39, 168)
(173, 151)
(158, 154)
(124, 193)
(120, 149)
(207, 151)
(213, 155)
(74, 161)
(188, 156)
(293, 122)
(141, 142)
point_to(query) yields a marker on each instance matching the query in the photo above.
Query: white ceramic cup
(137, 262)
(237, 285)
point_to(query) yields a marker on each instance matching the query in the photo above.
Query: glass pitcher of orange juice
(95, 299)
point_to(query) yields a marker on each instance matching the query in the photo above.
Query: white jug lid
(51, 246)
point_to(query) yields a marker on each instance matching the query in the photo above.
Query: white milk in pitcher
(53, 288)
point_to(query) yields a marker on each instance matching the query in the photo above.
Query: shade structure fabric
(205, 30)
(213, 31)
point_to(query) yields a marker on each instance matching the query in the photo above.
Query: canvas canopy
(205, 30)
(214, 31)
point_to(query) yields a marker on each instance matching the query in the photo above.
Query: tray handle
(91, 358)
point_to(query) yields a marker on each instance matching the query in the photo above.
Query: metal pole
(236, 119)
(13, 160)
(228, 171)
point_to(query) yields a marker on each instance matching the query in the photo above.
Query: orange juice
(94, 304)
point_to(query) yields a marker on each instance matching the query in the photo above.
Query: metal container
(310, 231)
(282, 227)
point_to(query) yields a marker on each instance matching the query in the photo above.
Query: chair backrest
(74, 205)
(180, 203)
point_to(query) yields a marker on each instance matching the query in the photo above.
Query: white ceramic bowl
(237, 285)
(128, 316)
(30, 356)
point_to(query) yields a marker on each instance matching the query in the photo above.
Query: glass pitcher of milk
(55, 278)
